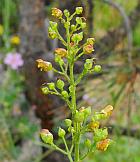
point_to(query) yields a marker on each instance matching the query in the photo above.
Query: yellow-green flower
(103, 145)
(44, 65)
(88, 49)
(1, 30)
(107, 111)
(15, 40)
(57, 13)
(60, 52)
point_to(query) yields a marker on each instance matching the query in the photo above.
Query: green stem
(62, 73)
(68, 151)
(76, 137)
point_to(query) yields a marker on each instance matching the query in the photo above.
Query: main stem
(76, 137)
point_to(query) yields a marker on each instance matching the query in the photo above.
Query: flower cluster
(82, 119)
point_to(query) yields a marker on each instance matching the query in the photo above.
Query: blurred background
(115, 25)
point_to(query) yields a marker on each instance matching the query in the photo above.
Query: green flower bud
(66, 13)
(46, 136)
(78, 20)
(79, 10)
(87, 143)
(60, 84)
(51, 86)
(45, 90)
(79, 117)
(65, 94)
(61, 132)
(88, 64)
(59, 60)
(97, 68)
(71, 89)
(99, 116)
(66, 24)
(83, 25)
(73, 27)
(53, 25)
(77, 37)
(87, 112)
(53, 35)
(100, 134)
(71, 129)
(68, 122)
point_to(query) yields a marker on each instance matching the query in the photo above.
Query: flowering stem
(76, 137)
(77, 124)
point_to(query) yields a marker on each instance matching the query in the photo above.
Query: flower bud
(66, 13)
(79, 117)
(78, 20)
(107, 111)
(71, 88)
(1, 30)
(51, 86)
(53, 35)
(93, 125)
(59, 60)
(45, 90)
(73, 27)
(103, 145)
(79, 10)
(68, 122)
(60, 84)
(87, 143)
(77, 37)
(61, 52)
(100, 134)
(83, 25)
(87, 111)
(88, 64)
(53, 25)
(44, 65)
(65, 94)
(97, 68)
(61, 132)
(57, 13)
(66, 24)
(71, 129)
(88, 49)
(46, 136)
(99, 116)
